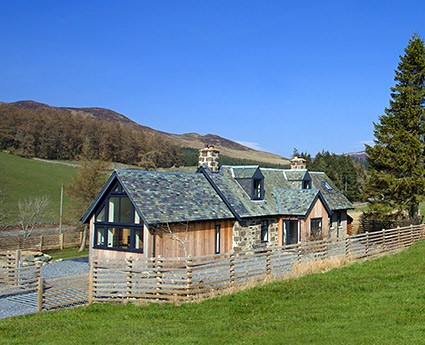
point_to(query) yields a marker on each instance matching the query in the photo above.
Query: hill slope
(190, 140)
(23, 178)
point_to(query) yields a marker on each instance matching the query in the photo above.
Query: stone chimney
(298, 163)
(208, 156)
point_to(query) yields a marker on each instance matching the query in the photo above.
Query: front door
(291, 231)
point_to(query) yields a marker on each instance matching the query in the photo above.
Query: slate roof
(295, 202)
(244, 171)
(174, 197)
(238, 199)
(335, 198)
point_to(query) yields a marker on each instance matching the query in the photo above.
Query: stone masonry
(247, 235)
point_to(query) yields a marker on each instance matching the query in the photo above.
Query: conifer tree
(397, 158)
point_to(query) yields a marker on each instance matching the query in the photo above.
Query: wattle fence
(188, 279)
(180, 280)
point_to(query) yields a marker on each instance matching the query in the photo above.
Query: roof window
(326, 185)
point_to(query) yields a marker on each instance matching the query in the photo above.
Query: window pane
(112, 238)
(101, 215)
(113, 209)
(126, 211)
(119, 238)
(316, 229)
(136, 217)
(264, 231)
(138, 239)
(124, 238)
(100, 236)
(217, 239)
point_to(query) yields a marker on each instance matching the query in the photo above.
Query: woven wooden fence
(187, 279)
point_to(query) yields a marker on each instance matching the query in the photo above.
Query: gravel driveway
(26, 303)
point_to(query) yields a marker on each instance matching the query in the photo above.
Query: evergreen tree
(397, 160)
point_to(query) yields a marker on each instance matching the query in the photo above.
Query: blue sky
(311, 75)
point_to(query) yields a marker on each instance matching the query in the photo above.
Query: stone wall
(247, 234)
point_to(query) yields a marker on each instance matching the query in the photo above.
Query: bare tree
(84, 189)
(183, 240)
(30, 212)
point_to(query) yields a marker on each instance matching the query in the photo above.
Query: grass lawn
(67, 253)
(375, 302)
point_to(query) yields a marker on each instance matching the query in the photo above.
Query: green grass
(375, 302)
(67, 253)
(21, 178)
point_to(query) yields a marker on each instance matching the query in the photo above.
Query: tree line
(50, 133)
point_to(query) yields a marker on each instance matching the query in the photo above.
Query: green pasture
(380, 301)
(22, 178)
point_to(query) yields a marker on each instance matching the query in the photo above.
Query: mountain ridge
(226, 146)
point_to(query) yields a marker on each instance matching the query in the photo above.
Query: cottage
(213, 210)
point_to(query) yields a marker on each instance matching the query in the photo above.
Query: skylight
(326, 185)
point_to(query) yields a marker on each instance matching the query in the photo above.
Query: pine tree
(397, 159)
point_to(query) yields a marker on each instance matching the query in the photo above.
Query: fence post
(398, 237)
(384, 243)
(91, 280)
(41, 243)
(129, 276)
(12, 269)
(268, 263)
(61, 241)
(17, 258)
(299, 253)
(367, 244)
(232, 268)
(158, 269)
(189, 276)
(40, 289)
(347, 249)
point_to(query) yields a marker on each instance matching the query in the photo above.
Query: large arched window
(117, 225)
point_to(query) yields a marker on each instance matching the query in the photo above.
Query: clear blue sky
(311, 75)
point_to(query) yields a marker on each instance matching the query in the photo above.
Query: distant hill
(194, 141)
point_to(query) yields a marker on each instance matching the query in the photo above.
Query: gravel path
(26, 303)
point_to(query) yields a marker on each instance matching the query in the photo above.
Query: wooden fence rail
(42, 242)
(186, 279)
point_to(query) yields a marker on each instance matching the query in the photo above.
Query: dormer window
(251, 180)
(306, 184)
(257, 189)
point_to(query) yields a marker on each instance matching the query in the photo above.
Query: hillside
(146, 134)
(23, 178)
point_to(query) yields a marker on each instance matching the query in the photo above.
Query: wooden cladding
(195, 239)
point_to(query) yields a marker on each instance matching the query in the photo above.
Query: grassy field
(376, 302)
(21, 178)
(67, 253)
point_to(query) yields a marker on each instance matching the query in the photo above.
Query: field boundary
(180, 280)
(194, 278)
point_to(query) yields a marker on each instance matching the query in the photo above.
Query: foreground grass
(376, 302)
(67, 253)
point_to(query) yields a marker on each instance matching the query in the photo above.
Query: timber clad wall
(195, 239)
(318, 211)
